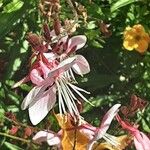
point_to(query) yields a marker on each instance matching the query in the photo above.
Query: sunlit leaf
(13, 6)
(12, 146)
(8, 20)
(121, 3)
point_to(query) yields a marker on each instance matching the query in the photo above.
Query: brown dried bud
(33, 39)
(10, 115)
(104, 29)
(36, 42)
(57, 26)
(47, 35)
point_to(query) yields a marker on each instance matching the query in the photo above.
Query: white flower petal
(50, 56)
(39, 109)
(40, 136)
(31, 96)
(107, 119)
(53, 139)
(62, 67)
(78, 41)
(81, 65)
(141, 141)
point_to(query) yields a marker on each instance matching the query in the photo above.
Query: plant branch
(15, 137)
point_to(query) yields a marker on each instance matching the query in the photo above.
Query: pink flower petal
(44, 69)
(141, 141)
(81, 65)
(40, 136)
(126, 125)
(35, 76)
(88, 130)
(76, 41)
(62, 67)
(39, 109)
(53, 139)
(107, 119)
(49, 136)
(36, 91)
(63, 39)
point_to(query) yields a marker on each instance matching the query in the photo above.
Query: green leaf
(97, 44)
(120, 3)
(91, 25)
(145, 126)
(12, 146)
(8, 20)
(13, 6)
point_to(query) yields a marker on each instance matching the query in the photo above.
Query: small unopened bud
(13, 130)
(47, 32)
(36, 42)
(33, 39)
(57, 26)
(10, 115)
(27, 132)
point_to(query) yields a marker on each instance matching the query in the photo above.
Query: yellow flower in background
(136, 38)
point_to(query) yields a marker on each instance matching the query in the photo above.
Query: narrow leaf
(120, 3)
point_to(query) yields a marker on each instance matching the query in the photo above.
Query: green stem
(14, 137)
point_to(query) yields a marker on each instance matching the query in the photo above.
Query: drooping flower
(136, 38)
(79, 135)
(141, 141)
(101, 131)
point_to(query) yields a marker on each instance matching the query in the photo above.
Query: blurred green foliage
(115, 72)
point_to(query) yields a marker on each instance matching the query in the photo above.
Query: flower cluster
(84, 136)
(136, 38)
(52, 74)
(52, 66)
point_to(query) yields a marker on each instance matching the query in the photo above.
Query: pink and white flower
(141, 141)
(42, 98)
(91, 132)
(101, 131)
(66, 47)
(53, 139)
(52, 74)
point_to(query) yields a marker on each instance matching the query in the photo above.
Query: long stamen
(111, 139)
(61, 103)
(70, 94)
(79, 89)
(76, 89)
(72, 75)
(64, 94)
(67, 100)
